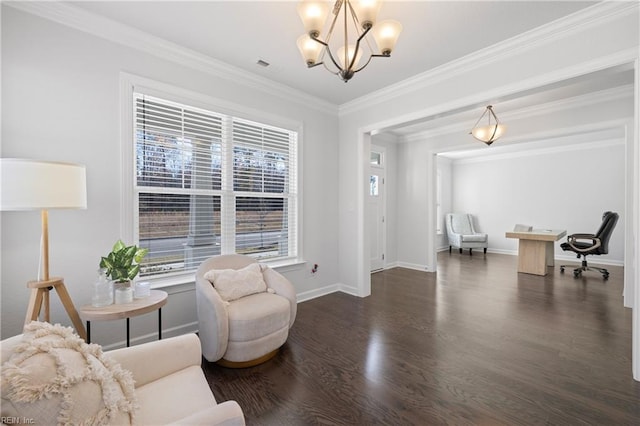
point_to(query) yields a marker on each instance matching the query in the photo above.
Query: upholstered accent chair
(462, 233)
(164, 379)
(245, 310)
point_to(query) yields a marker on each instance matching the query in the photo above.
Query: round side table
(155, 301)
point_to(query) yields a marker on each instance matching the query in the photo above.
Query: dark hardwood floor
(475, 344)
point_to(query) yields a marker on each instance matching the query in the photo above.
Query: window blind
(209, 184)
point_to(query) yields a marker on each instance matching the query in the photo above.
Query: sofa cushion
(233, 284)
(54, 374)
(174, 397)
(257, 315)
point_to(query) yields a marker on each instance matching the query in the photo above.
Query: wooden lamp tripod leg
(40, 295)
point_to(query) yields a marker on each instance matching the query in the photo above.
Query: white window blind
(209, 184)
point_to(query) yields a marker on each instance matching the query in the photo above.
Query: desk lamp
(43, 185)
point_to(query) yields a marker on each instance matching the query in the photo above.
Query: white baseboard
(318, 292)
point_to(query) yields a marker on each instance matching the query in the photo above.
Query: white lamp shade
(488, 133)
(313, 15)
(386, 34)
(36, 185)
(309, 49)
(366, 10)
(341, 57)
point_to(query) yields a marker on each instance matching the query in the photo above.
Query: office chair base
(578, 271)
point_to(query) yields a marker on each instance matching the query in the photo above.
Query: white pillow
(233, 284)
(54, 377)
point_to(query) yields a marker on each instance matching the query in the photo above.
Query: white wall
(567, 189)
(60, 101)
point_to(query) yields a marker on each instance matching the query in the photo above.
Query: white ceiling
(242, 32)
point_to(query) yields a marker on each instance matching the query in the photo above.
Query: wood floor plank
(474, 344)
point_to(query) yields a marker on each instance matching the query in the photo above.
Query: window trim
(130, 83)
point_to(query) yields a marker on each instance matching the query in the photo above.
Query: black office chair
(587, 244)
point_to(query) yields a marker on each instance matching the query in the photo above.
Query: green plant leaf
(133, 271)
(140, 254)
(119, 245)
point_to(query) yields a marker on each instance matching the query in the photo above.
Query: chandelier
(353, 19)
(490, 132)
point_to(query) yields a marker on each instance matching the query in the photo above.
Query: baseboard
(415, 266)
(318, 292)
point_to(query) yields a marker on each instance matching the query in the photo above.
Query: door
(376, 209)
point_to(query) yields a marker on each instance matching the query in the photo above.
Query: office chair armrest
(574, 238)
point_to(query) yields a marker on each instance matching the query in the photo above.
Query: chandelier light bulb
(386, 35)
(351, 51)
(313, 15)
(309, 49)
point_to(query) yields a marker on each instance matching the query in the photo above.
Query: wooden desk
(156, 300)
(536, 249)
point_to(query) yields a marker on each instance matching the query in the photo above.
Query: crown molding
(608, 95)
(597, 14)
(116, 32)
(607, 143)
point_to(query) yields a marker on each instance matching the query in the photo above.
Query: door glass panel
(373, 183)
(376, 158)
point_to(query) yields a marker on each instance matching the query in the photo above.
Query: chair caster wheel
(605, 277)
(576, 274)
(562, 269)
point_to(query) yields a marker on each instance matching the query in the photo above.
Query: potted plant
(122, 265)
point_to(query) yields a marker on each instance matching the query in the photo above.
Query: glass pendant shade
(341, 56)
(366, 11)
(309, 49)
(488, 134)
(386, 35)
(313, 15)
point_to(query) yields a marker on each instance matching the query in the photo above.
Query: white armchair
(248, 330)
(463, 235)
(170, 385)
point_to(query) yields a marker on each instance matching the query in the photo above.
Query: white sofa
(170, 385)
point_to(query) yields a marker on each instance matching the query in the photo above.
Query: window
(207, 184)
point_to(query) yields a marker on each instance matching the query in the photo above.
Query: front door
(376, 210)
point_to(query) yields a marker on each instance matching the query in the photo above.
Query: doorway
(376, 208)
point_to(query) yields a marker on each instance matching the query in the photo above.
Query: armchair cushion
(54, 374)
(258, 315)
(234, 284)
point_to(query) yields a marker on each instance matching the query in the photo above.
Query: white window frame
(130, 83)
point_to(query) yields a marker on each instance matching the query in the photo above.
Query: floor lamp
(44, 185)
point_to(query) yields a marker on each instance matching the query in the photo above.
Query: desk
(535, 249)
(156, 300)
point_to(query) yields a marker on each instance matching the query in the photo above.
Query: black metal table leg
(88, 331)
(127, 332)
(160, 324)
